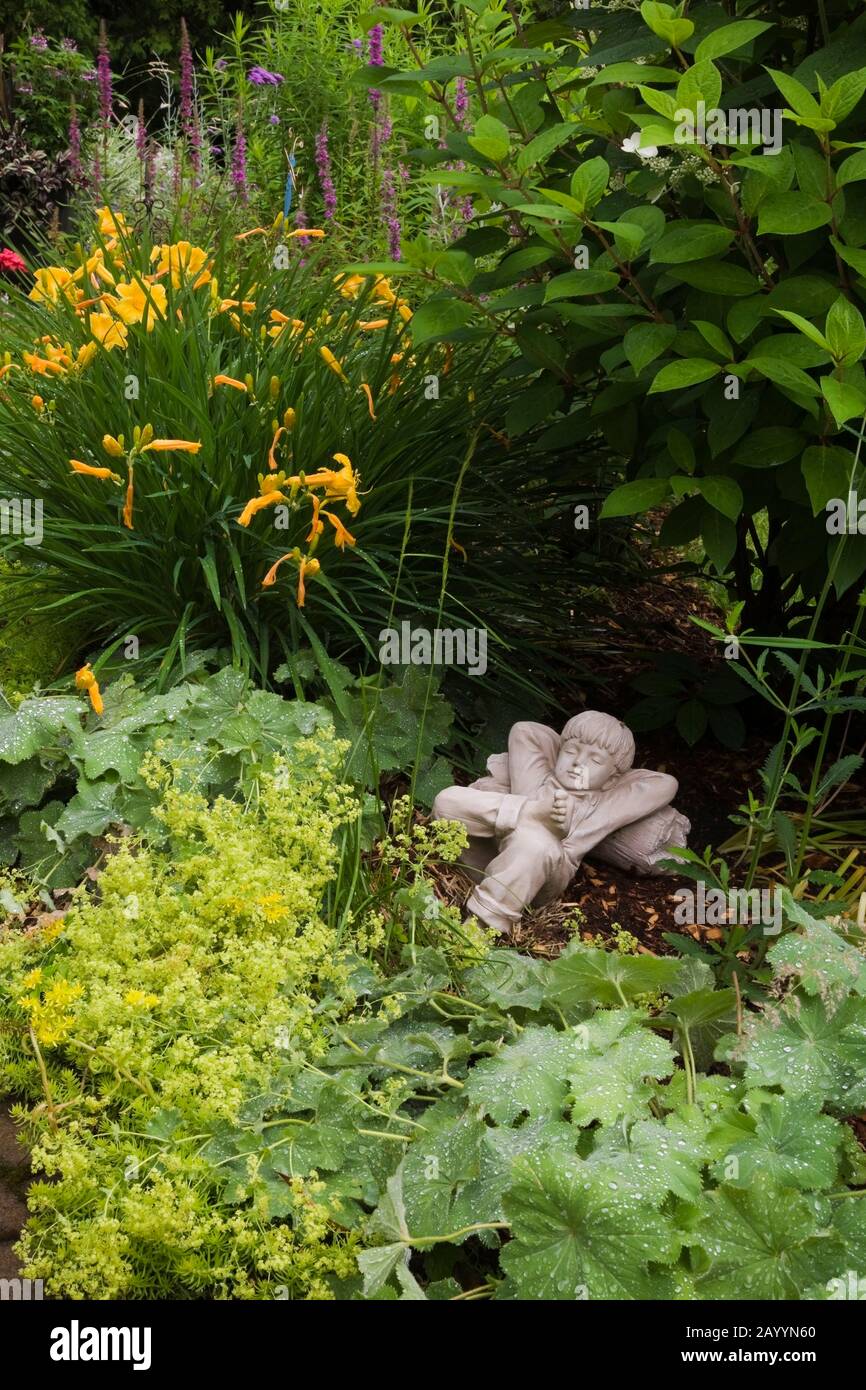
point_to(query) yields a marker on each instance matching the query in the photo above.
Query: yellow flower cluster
(110, 298)
(47, 1009)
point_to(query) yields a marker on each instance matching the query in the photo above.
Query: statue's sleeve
(638, 793)
(532, 753)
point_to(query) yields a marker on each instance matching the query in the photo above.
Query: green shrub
(696, 307)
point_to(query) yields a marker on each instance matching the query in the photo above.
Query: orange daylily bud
(89, 471)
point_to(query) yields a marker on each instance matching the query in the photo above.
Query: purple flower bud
(38, 40)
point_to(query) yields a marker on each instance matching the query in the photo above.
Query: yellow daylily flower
(342, 483)
(343, 536)
(113, 446)
(135, 302)
(108, 331)
(306, 566)
(85, 680)
(43, 366)
(85, 356)
(94, 269)
(111, 224)
(51, 282)
(183, 262)
(257, 504)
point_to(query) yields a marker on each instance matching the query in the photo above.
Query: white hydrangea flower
(633, 145)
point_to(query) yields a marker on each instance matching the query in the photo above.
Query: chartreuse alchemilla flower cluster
(148, 1027)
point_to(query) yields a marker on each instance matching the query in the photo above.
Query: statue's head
(594, 752)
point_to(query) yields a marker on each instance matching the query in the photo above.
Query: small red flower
(10, 260)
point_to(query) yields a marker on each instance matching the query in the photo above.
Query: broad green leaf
(689, 371)
(845, 402)
(436, 318)
(574, 283)
(575, 1236)
(589, 182)
(507, 979)
(652, 1158)
(852, 170)
(768, 447)
(844, 95)
(828, 471)
(612, 1086)
(583, 974)
(780, 371)
(637, 496)
(664, 103)
(728, 38)
(700, 82)
(663, 20)
(524, 1076)
(846, 332)
(805, 327)
(723, 493)
(691, 721)
(542, 146)
(812, 1052)
(793, 1145)
(491, 138)
(716, 339)
(763, 1242)
(798, 97)
(819, 959)
(716, 277)
(633, 72)
(647, 341)
(691, 241)
(719, 537)
(791, 214)
(39, 724)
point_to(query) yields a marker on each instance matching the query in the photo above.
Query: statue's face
(584, 767)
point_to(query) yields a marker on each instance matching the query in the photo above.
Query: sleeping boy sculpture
(551, 800)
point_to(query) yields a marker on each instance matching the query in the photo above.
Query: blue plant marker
(290, 187)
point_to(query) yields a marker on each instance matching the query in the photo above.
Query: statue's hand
(549, 809)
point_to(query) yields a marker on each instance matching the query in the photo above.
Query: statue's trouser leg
(530, 861)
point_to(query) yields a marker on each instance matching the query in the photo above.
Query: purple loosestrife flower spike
(461, 102)
(76, 168)
(389, 212)
(323, 165)
(375, 59)
(188, 117)
(103, 77)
